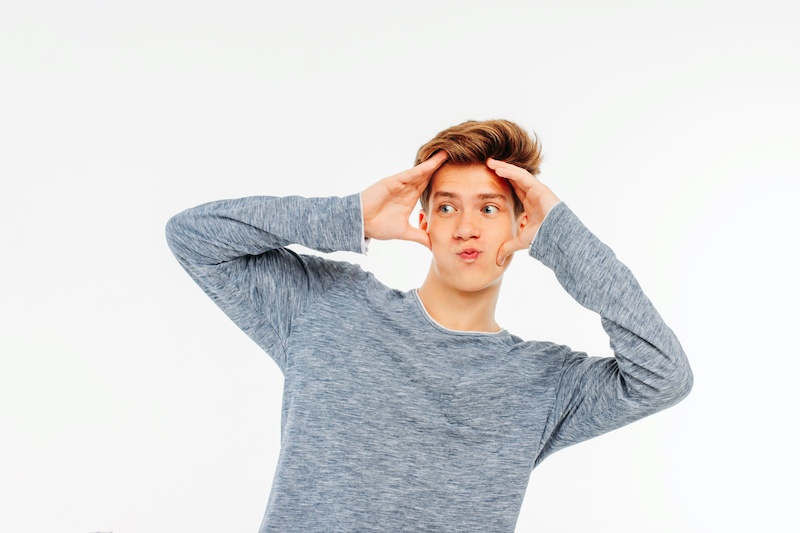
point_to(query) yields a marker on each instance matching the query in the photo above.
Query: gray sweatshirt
(391, 422)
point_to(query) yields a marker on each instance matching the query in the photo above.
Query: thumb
(418, 235)
(506, 250)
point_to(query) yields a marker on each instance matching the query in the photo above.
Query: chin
(473, 279)
(477, 285)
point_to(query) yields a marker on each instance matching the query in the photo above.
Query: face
(470, 215)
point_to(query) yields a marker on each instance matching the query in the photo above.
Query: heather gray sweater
(392, 422)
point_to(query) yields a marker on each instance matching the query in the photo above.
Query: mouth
(469, 254)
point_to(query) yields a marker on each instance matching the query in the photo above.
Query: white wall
(129, 403)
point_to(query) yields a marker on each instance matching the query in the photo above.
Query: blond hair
(473, 142)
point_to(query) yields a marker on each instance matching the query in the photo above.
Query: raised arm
(649, 371)
(225, 230)
(235, 250)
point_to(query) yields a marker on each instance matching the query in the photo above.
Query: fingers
(436, 160)
(517, 175)
(521, 193)
(537, 197)
(424, 171)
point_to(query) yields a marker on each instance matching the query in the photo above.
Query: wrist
(364, 238)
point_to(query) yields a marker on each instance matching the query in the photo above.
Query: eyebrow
(482, 196)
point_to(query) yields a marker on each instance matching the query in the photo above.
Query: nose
(468, 227)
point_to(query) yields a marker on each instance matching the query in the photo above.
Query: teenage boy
(416, 411)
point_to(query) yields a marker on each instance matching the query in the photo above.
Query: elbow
(687, 383)
(676, 379)
(662, 389)
(175, 234)
(678, 386)
(185, 242)
(178, 240)
(171, 230)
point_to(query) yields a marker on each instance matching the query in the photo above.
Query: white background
(129, 403)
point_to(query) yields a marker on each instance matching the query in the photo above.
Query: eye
(490, 209)
(445, 208)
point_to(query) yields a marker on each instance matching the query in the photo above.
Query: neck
(457, 309)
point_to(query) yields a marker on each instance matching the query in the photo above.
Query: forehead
(468, 180)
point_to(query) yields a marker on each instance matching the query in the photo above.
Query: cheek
(503, 233)
(438, 231)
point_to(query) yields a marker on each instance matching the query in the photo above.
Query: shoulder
(345, 277)
(541, 357)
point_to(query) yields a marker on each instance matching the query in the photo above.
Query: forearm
(652, 364)
(221, 231)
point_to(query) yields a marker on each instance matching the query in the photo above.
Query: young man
(416, 411)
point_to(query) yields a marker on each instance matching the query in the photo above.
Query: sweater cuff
(364, 240)
(557, 229)
(330, 224)
(351, 221)
(543, 221)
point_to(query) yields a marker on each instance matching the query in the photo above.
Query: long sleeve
(649, 371)
(235, 251)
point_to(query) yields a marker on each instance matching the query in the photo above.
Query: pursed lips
(469, 254)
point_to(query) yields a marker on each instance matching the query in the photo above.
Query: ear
(423, 220)
(522, 222)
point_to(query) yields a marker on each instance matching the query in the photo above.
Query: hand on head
(536, 197)
(388, 204)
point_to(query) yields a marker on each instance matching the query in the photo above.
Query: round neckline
(440, 327)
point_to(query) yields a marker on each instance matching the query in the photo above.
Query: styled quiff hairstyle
(473, 142)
